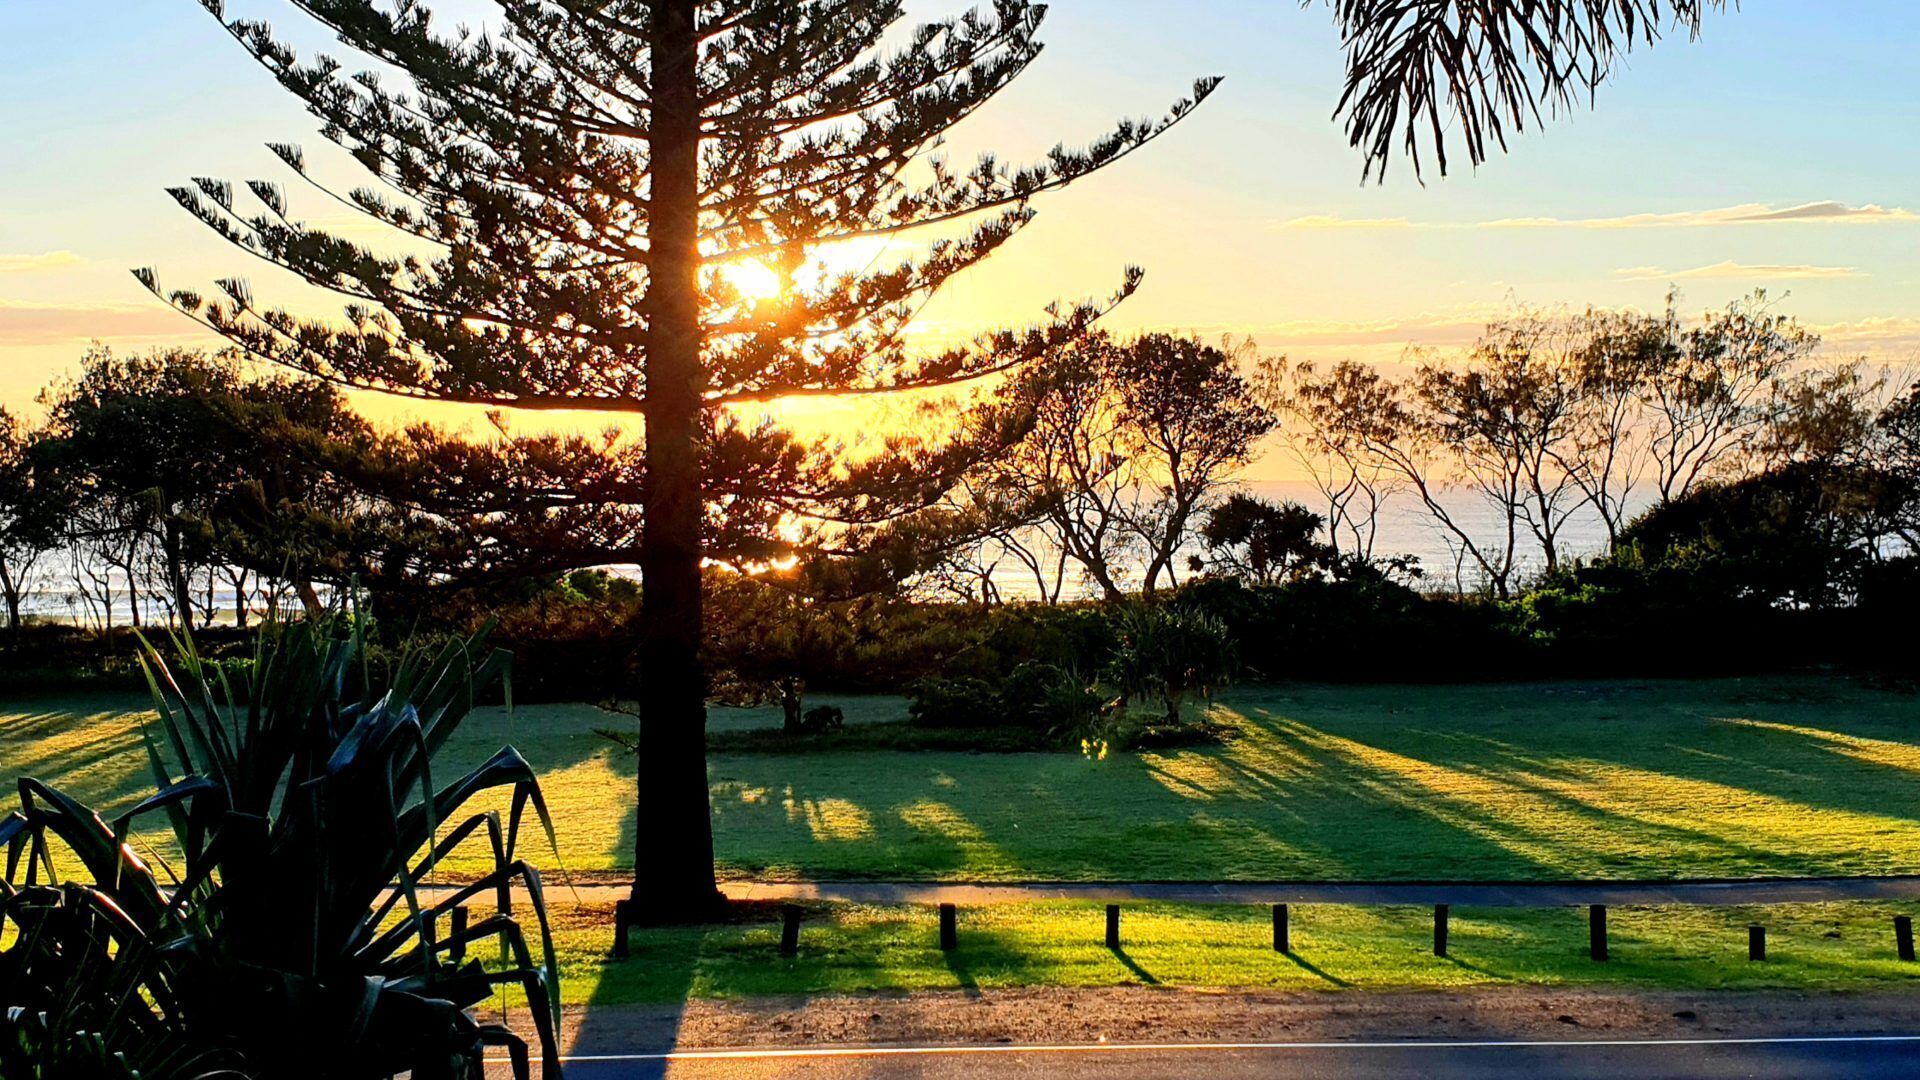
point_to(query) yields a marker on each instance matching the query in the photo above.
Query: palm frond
(1491, 66)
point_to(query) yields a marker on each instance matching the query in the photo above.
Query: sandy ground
(1144, 1014)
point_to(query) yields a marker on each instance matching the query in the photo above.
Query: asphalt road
(1862, 1058)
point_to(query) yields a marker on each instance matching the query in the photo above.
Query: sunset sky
(1781, 151)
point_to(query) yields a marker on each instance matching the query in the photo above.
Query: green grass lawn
(1721, 778)
(1715, 778)
(847, 949)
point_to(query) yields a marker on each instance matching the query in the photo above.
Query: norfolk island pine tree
(584, 177)
(585, 180)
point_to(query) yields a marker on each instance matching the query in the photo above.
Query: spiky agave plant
(85, 994)
(300, 789)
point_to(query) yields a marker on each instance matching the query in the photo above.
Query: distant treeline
(1781, 495)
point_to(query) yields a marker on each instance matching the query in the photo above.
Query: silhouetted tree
(1615, 354)
(1265, 541)
(30, 513)
(1897, 452)
(1709, 405)
(1074, 475)
(1195, 423)
(1330, 421)
(1507, 419)
(186, 461)
(1823, 416)
(1796, 536)
(590, 180)
(1129, 442)
(138, 439)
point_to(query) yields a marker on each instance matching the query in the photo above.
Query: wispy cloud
(1734, 271)
(46, 260)
(52, 324)
(1886, 335)
(1814, 213)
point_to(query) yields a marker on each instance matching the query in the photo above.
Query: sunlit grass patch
(855, 949)
(1789, 776)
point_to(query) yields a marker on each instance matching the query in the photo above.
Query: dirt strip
(1146, 1014)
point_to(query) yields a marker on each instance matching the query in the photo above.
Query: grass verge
(857, 949)
(1725, 778)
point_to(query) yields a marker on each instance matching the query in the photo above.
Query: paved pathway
(1460, 894)
(1463, 894)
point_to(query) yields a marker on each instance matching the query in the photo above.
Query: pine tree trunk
(673, 850)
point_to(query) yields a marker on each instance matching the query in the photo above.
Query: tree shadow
(660, 971)
(962, 970)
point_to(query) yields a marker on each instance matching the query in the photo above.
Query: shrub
(1364, 628)
(822, 718)
(83, 992)
(1050, 698)
(955, 703)
(1037, 696)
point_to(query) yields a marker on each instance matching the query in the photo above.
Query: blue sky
(1251, 217)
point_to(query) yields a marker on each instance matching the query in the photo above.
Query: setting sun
(753, 280)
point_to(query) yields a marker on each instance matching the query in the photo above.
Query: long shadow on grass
(639, 1004)
(1546, 826)
(1689, 730)
(962, 968)
(30, 749)
(1422, 767)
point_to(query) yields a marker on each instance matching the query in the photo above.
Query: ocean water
(1405, 528)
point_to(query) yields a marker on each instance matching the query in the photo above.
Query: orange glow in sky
(1249, 218)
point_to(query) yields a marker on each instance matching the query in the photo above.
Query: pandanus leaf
(106, 859)
(506, 768)
(442, 847)
(303, 796)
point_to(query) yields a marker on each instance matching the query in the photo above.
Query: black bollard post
(456, 926)
(1439, 929)
(1113, 927)
(621, 921)
(789, 929)
(1756, 942)
(949, 928)
(1903, 936)
(1597, 931)
(1282, 932)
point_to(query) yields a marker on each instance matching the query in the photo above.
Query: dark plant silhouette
(1267, 542)
(1490, 65)
(84, 993)
(294, 939)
